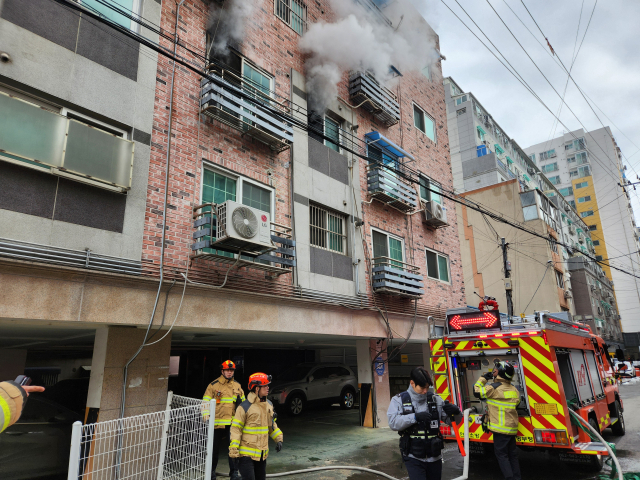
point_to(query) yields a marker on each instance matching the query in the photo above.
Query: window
(572, 203)
(218, 187)
(593, 228)
(424, 123)
(599, 258)
(427, 190)
(582, 185)
(426, 71)
(552, 167)
(481, 133)
(560, 279)
(555, 180)
(438, 266)
(565, 192)
(128, 6)
(596, 243)
(553, 244)
(293, 13)
(582, 158)
(584, 199)
(584, 171)
(387, 249)
(461, 99)
(533, 157)
(547, 154)
(327, 229)
(258, 84)
(588, 213)
(329, 127)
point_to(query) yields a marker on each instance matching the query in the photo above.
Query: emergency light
(458, 322)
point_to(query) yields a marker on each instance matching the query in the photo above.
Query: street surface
(331, 437)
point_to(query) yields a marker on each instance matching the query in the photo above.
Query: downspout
(164, 219)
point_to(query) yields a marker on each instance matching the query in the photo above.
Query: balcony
(366, 92)
(392, 277)
(224, 98)
(31, 135)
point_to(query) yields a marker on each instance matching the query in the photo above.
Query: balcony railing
(366, 92)
(260, 116)
(33, 135)
(388, 187)
(393, 277)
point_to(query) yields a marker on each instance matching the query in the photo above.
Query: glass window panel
(418, 119)
(256, 197)
(443, 268)
(332, 130)
(395, 251)
(528, 198)
(380, 247)
(530, 213)
(217, 188)
(98, 6)
(98, 154)
(31, 132)
(430, 128)
(432, 265)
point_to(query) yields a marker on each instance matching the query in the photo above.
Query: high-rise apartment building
(586, 167)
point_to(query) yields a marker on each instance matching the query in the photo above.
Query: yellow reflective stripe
(510, 394)
(206, 398)
(502, 429)
(500, 403)
(237, 423)
(227, 400)
(252, 451)
(275, 433)
(221, 422)
(501, 343)
(536, 373)
(243, 398)
(234, 443)
(256, 430)
(4, 406)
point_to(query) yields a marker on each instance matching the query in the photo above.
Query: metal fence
(174, 444)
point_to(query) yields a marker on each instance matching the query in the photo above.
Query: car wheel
(596, 462)
(295, 404)
(347, 399)
(618, 428)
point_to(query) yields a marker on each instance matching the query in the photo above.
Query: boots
(235, 476)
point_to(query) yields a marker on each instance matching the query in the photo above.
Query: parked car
(38, 444)
(307, 383)
(625, 369)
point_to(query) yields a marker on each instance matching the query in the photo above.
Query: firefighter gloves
(423, 417)
(488, 376)
(278, 446)
(451, 409)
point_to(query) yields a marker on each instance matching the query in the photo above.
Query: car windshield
(294, 374)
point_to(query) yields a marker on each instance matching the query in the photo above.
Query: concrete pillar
(147, 380)
(379, 393)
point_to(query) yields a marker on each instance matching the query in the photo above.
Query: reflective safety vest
(502, 399)
(228, 395)
(251, 428)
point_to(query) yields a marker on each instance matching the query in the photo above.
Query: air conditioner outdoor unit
(567, 294)
(435, 214)
(531, 170)
(567, 208)
(242, 228)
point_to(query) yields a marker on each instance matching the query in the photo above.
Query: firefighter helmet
(228, 365)
(505, 369)
(259, 380)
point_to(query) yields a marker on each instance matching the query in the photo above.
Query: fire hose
(465, 470)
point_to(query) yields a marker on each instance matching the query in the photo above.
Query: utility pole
(507, 278)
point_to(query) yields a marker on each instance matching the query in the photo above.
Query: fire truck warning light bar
(473, 321)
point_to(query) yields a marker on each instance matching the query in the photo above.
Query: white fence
(174, 444)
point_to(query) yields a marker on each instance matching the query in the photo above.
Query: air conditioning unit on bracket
(435, 214)
(567, 294)
(242, 228)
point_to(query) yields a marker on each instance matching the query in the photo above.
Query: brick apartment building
(362, 248)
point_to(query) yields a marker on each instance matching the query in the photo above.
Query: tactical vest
(421, 440)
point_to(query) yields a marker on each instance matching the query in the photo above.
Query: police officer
(502, 399)
(416, 415)
(228, 395)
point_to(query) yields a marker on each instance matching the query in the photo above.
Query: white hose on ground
(465, 468)
(595, 432)
(318, 469)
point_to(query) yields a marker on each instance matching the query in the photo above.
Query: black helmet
(421, 377)
(505, 369)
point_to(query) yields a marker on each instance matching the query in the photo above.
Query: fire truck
(559, 365)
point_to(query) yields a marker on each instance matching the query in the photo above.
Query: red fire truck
(559, 365)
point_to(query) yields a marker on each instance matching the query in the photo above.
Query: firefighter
(502, 399)
(13, 397)
(252, 425)
(228, 395)
(416, 415)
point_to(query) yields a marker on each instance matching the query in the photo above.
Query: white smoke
(227, 25)
(359, 40)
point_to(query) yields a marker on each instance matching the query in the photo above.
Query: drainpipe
(164, 218)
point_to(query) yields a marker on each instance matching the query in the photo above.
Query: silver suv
(314, 382)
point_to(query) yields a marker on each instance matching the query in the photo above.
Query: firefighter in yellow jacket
(13, 397)
(502, 399)
(251, 428)
(228, 395)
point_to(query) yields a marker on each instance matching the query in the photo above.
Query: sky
(607, 67)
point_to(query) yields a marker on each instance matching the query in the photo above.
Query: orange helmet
(259, 380)
(228, 365)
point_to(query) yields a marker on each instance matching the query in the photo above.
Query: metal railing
(385, 185)
(365, 91)
(327, 229)
(394, 277)
(174, 444)
(293, 13)
(228, 104)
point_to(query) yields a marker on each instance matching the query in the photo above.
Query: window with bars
(293, 13)
(327, 229)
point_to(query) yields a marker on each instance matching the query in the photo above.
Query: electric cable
(539, 285)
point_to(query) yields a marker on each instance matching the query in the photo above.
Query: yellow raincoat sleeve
(237, 424)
